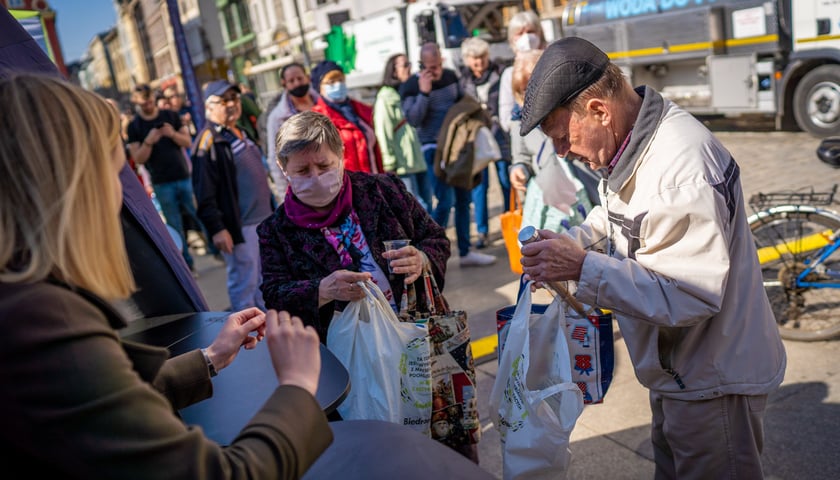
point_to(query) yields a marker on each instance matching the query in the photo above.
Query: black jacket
(214, 183)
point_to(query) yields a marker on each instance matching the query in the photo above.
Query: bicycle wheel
(785, 238)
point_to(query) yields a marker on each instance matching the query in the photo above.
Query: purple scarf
(305, 216)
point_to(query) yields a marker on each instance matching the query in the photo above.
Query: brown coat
(78, 402)
(456, 143)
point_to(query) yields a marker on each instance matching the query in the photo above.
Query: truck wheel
(816, 102)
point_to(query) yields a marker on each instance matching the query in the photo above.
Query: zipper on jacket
(676, 376)
(667, 339)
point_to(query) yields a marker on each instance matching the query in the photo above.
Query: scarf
(347, 111)
(305, 216)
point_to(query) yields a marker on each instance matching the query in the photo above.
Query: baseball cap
(566, 68)
(218, 88)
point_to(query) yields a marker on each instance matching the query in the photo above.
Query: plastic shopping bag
(590, 339)
(388, 362)
(534, 403)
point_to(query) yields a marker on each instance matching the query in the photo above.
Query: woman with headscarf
(353, 119)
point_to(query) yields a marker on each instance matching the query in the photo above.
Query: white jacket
(678, 265)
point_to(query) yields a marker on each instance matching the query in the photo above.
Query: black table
(243, 387)
(377, 450)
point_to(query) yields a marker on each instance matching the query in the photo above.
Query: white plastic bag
(534, 403)
(388, 362)
(486, 150)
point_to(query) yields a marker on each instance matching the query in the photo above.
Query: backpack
(455, 154)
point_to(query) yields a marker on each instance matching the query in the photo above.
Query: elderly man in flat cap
(669, 251)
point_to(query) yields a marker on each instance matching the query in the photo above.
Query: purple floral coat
(295, 259)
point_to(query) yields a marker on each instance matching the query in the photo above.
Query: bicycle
(798, 241)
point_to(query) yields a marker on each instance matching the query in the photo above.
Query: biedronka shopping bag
(455, 421)
(388, 362)
(534, 403)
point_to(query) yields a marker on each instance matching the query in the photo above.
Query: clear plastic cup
(395, 245)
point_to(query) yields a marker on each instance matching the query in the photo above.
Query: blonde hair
(523, 66)
(58, 187)
(305, 132)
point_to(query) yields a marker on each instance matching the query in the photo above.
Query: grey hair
(474, 47)
(525, 18)
(612, 84)
(307, 132)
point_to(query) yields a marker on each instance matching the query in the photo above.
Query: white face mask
(527, 41)
(318, 191)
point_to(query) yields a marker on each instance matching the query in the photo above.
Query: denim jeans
(417, 184)
(243, 272)
(479, 194)
(445, 195)
(172, 197)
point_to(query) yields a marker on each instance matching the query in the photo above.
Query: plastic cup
(395, 245)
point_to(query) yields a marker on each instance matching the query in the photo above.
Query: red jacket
(356, 153)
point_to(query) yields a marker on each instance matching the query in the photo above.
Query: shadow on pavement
(802, 433)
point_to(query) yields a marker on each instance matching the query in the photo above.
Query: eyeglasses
(228, 99)
(404, 65)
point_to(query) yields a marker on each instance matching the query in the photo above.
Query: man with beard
(298, 96)
(231, 186)
(157, 139)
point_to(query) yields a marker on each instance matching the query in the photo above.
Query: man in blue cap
(231, 187)
(670, 252)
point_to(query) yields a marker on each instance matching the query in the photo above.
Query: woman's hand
(342, 285)
(241, 329)
(408, 261)
(295, 351)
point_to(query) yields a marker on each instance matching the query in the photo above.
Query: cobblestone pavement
(612, 440)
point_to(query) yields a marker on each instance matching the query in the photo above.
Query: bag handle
(515, 202)
(374, 294)
(435, 301)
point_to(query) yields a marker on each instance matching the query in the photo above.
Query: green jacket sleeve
(384, 122)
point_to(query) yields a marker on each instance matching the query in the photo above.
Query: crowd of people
(298, 199)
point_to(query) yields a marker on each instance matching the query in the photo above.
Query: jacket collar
(647, 121)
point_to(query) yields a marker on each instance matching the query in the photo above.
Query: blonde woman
(77, 401)
(555, 198)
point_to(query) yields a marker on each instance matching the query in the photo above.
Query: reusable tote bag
(388, 362)
(590, 340)
(534, 403)
(511, 223)
(454, 415)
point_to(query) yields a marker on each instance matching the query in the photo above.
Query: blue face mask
(336, 92)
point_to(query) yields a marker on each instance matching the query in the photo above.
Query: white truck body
(730, 57)
(403, 30)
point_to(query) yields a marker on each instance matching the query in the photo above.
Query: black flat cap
(566, 68)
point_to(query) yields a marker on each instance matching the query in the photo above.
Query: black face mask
(300, 91)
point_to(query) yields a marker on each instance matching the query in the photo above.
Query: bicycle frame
(823, 243)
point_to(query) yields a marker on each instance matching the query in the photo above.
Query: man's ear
(599, 109)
